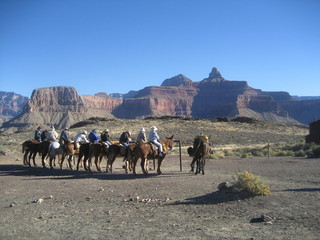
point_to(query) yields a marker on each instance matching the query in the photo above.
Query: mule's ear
(171, 137)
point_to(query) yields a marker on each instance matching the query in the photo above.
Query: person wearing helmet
(93, 136)
(141, 136)
(154, 138)
(105, 137)
(80, 139)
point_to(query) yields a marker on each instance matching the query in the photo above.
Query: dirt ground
(39, 203)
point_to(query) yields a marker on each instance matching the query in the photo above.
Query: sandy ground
(39, 203)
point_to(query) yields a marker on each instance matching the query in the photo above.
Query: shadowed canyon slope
(177, 96)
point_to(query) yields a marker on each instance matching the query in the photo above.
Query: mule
(31, 148)
(146, 151)
(44, 151)
(69, 152)
(84, 152)
(55, 150)
(98, 151)
(199, 152)
(117, 150)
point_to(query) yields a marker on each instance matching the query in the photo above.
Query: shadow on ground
(212, 198)
(62, 174)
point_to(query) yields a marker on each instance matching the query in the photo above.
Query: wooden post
(179, 142)
(268, 150)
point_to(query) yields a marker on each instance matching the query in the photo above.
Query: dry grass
(224, 135)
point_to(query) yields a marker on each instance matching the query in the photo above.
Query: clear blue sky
(114, 46)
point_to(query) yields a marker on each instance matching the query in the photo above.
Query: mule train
(144, 151)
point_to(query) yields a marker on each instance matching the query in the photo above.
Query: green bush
(251, 184)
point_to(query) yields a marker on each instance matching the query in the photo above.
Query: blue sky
(114, 46)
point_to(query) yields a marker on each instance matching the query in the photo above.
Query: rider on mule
(155, 139)
(125, 138)
(105, 137)
(52, 135)
(141, 136)
(37, 134)
(80, 139)
(93, 136)
(64, 138)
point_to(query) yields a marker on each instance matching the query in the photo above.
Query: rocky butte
(11, 105)
(212, 97)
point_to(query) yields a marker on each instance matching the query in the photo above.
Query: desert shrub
(216, 155)
(2, 152)
(251, 184)
(316, 151)
(258, 153)
(298, 147)
(246, 155)
(283, 153)
(300, 153)
(228, 153)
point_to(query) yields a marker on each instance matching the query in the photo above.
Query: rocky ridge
(212, 97)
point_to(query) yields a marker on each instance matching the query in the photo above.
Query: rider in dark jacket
(105, 137)
(37, 134)
(125, 138)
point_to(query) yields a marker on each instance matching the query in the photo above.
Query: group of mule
(52, 150)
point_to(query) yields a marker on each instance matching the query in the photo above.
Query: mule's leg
(96, 162)
(197, 166)
(51, 159)
(203, 164)
(70, 159)
(192, 164)
(143, 159)
(109, 165)
(134, 163)
(34, 158)
(25, 158)
(159, 165)
(62, 159)
(43, 160)
(144, 165)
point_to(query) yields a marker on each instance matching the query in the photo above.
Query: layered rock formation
(212, 97)
(11, 105)
(58, 106)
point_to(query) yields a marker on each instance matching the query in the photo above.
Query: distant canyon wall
(177, 96)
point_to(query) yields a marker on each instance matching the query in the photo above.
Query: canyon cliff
(11, 105)
(212, 97)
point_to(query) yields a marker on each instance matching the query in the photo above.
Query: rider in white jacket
(154, 138)
(80, 139)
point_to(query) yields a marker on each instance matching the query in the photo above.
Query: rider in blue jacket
(93, 136)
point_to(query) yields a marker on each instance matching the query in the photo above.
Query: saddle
(154, 149)
(123, 149)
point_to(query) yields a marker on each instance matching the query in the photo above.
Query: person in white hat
(141, 136)
(154, 138)
(80, 139)
(52, 135)
(105, 137)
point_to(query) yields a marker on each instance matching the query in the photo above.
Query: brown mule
(117, 150)
(31, 148)
(200, 150)
(69, 151)
(145, 152)
(98, 151)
